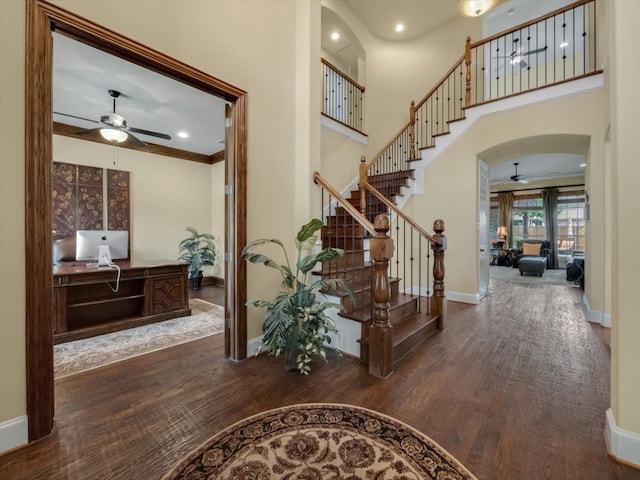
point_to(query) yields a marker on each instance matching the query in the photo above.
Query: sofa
(536, 250)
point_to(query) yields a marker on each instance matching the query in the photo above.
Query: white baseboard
(622, 444)
(423, 292)
(472, 298)
(14, 433)
(595, 316)
(252, 346)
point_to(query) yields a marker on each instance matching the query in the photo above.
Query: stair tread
(356, 290)
(405, 329)
(409, 325)
(363, 315)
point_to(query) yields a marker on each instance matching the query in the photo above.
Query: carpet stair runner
(411, 325)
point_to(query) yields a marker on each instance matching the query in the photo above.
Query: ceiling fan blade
(533, 52)
(90, 131)
(150, 133)
(135, 141)
(75, 116)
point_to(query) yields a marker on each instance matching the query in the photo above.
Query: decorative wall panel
(78, 199)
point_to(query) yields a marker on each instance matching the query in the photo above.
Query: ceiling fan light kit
(475, 8)
(113, 135)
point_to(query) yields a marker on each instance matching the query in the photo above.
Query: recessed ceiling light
(183, 134)
(335, 36)
(583, 165)
(564, 44)
(399, 27)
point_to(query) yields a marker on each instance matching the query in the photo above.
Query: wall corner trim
(14, 433)
(622, 445)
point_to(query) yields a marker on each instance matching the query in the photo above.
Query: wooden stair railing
(437, 242)
(519, 60)
(393, 321)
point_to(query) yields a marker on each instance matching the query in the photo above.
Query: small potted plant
(198, 250)
(296, 321)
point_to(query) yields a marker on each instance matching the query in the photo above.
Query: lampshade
(475, 8)
(502, 231)
(113, 135)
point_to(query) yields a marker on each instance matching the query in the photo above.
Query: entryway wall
(42, 17)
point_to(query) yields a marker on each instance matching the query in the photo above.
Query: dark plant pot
(290, 360)
(196, 282)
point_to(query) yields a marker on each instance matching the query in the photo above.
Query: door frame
(484, 198)
(42, 18)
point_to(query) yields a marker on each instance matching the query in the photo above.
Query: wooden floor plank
(515, 387)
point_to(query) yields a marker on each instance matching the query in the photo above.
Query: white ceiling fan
(519, 56)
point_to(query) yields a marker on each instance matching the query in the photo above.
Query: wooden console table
(84, 305)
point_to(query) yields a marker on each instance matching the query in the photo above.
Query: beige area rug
(319, 441)
(556, 276)
(89, 353)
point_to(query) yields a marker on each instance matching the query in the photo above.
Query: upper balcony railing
(342, 97)
(552, 49)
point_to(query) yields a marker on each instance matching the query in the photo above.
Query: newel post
(362, 180)
(467, 62)
(438, 299)
(381, 331)
(412, 131)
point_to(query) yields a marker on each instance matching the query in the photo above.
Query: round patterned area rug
(319, 441)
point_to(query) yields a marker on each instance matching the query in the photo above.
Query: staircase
(394, 314)
(409, 314)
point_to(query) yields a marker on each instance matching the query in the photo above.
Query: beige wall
(340, 158)
(398, 72)
(167, 195)
(253, 49)
(12, 239)
(451, 181)
(625, 125)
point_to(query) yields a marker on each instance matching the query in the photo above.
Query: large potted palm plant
(198, 250)
(296, 321)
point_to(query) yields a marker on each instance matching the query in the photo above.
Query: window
(528, 219)
(571, 223)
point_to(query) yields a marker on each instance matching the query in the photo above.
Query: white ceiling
(535, 168)
(83, 75)
(419, 17)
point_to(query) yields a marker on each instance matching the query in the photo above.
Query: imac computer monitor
(89, 243)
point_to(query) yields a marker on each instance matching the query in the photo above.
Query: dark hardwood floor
(515, 388)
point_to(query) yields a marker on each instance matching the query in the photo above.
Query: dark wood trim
(71, 131)
(236, 212)
(515, 191)
(213, 281)
(42, 17)
(216, 157)
(38, 260)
